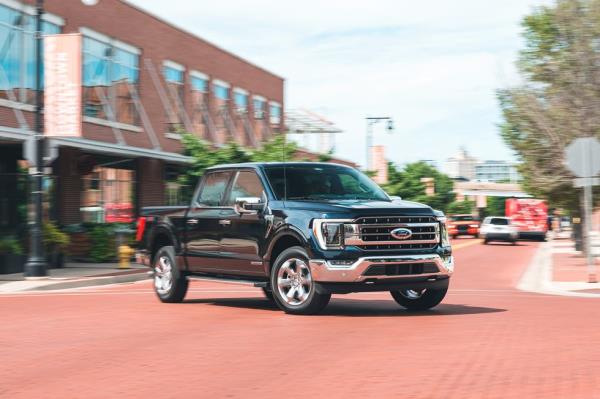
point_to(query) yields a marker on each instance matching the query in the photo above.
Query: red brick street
(487, 339)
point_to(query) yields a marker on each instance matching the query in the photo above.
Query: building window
(110, 75)
(240, 98)
(108, 196)
(199, 85)
(275, 113)
(221, 90)
(17, 54)
(173, 74)
(259, 107)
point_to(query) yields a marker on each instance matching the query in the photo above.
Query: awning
(98, 147)
(517, 194)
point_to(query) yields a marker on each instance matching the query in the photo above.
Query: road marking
(466, 244)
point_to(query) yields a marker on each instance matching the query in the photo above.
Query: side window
(247, 184)
(213, 189)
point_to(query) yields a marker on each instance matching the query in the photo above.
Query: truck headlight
(330, 234)
(444, 238)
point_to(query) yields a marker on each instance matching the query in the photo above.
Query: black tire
(314, 303)
(268, 294)
(427, 300)
(179, 282)
(486, 241)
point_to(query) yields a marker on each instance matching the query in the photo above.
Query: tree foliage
(560, 97)
(407, 184)
(206, 155)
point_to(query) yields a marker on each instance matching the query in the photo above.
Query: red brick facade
(157, 41)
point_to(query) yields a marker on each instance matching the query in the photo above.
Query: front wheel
(419, 299)
(169, 283)
(292, 285)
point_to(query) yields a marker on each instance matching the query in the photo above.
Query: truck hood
(364, 207)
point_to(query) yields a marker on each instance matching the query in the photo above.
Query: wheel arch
(281, 241)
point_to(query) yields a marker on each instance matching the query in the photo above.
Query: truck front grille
(374, 233)
(402, 269)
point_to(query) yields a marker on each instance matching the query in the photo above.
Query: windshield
(499, 221)
(322, 182)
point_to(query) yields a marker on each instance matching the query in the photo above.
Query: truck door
(205, 222)
(244, 233)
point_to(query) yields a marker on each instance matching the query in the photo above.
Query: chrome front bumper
(328, 271)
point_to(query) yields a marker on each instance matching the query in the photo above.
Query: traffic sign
(583, 157)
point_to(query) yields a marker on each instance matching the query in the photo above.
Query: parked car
(301, 232)
(498, 228)
(463, 225)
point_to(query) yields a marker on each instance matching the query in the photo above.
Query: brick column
(150, 182)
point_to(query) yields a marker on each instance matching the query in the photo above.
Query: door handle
(192, 221)
(224, 222)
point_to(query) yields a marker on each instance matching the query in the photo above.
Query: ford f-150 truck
(300, 231)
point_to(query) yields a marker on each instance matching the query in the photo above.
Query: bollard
(125, 252)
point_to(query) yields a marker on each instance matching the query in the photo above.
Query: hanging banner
(62, 85)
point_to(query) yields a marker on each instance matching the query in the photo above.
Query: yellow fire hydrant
(125, 252)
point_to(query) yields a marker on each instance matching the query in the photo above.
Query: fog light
(342, 262)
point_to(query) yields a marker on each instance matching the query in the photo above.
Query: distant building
(461, 166)
(496, 171)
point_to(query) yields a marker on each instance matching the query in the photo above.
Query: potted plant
(55, 243)
(11, 256)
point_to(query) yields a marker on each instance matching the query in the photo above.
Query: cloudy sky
(433, 65)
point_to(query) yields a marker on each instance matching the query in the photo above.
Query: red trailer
(530, 216)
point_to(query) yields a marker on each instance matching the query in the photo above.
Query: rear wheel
(170, 284)
(293, 288)
(419, 299)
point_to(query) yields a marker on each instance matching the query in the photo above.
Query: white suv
(498, 228)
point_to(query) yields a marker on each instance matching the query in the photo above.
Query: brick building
(143, 81)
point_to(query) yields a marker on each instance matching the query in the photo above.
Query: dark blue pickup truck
(300, 231)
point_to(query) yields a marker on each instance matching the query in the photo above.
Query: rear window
(499, 221)
(462, 218)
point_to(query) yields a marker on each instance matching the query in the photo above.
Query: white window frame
(272, 119)
(101, 37)
(30, 10)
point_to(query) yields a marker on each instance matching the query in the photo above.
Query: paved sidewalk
(558, 269)
(74, 275)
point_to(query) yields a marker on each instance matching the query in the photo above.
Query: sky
(431, 65)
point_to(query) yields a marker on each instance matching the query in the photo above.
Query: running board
(259, 284)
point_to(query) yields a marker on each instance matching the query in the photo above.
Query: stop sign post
(583, 159)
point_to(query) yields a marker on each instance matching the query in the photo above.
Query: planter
(12, 263)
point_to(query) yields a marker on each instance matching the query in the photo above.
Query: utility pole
(36, 262)
(370, 122)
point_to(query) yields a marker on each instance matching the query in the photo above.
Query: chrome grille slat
(373, 232)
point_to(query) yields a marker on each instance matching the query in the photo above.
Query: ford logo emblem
(401, 234)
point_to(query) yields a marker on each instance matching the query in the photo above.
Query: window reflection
(17, 54)
(110, 75)
(174, 81)
(108, 196)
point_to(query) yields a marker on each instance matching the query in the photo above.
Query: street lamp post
(370, 122)
(36, 261)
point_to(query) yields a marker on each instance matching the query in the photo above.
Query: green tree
(206, 155)
(560, 97)
(407, 184)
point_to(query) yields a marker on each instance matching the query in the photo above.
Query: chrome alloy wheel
(412, 294)
(163, 275)
(294, 281)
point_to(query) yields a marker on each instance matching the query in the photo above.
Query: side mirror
(395, 198)
(248, 205)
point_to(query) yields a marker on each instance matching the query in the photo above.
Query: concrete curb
(62, 284)
(538, 278)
